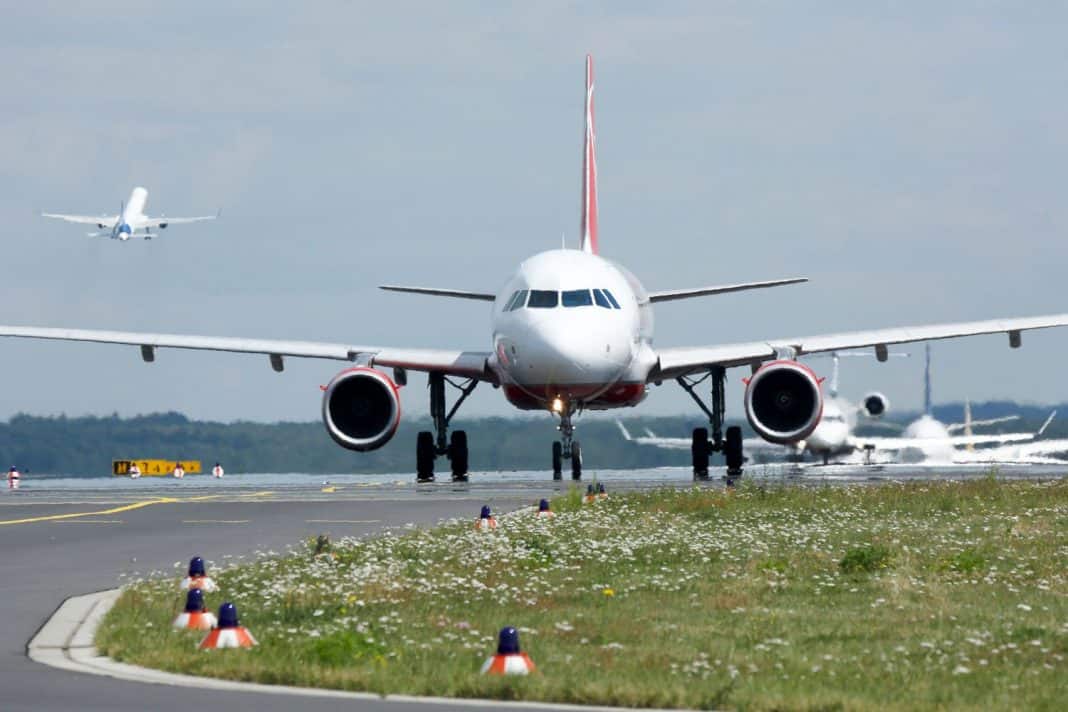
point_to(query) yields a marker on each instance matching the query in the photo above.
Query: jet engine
(784, 402)
(361, 409)
(875, 405)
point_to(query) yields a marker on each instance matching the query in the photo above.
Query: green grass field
(921, 596)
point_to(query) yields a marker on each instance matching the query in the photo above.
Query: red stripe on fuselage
(589, 170)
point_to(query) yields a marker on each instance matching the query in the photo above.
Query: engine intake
(784, 402)
(875, 405)
(361, 409)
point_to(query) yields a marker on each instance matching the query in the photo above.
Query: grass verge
(899, 596)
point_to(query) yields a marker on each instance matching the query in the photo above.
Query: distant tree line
(85, 446)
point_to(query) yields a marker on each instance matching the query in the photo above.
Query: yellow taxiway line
(103, 512)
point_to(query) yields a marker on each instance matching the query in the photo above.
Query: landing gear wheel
(576, 461)
(424, 457)
(732, 449)
(699, 451)
(458, 455)
(558, 461)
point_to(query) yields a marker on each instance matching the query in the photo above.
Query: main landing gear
(566, 448)
(701, 446)
(429, 445)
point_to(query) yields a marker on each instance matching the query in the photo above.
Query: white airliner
(571, 330)
(130, 222)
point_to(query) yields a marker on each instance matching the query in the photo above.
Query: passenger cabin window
(543, 299)
(577, 298)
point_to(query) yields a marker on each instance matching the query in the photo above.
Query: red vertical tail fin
(589, 171)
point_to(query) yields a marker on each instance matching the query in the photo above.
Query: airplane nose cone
(575, 356)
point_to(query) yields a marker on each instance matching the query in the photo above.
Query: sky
(909, 158)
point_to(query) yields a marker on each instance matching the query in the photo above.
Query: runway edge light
(230, 633)
(198, 576)
(195, 616)
(544, 510)
(510, 659)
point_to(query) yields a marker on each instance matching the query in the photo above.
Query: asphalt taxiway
(62, 541)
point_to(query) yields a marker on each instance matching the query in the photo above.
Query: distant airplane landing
(129, 221)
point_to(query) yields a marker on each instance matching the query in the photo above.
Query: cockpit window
(611, 299)
(577, 298)
(601, 299)
(517, 300)
(543, 299)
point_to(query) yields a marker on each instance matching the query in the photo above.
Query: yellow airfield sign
(154, 468)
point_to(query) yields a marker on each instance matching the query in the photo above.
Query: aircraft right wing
(955, 440)
(467, 364)
(675, 362)
(107, 221)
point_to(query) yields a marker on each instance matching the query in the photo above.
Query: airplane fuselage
(572, 330)
(132, 216)
(834, 434)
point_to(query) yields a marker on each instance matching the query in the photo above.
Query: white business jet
(571, 330)
(130, 222)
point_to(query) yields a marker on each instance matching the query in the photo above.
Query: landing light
(558, 405)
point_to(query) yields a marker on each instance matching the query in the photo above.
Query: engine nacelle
(361, 409)
(875, 405)
(784, 402)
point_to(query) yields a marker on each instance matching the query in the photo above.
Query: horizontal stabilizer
(669, 295)
(455, 293)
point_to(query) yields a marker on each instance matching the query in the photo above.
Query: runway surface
(61, 537)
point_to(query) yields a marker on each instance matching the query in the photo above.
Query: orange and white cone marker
(591, 496)
(230, 633)
(509, 660)
(198, 577)
(195, 616)
(485, 519)
(602, 493)
(544, 511)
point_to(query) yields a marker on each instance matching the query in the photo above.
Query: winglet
(1046, 424)
(589, 171)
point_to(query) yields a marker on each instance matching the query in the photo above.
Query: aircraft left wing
(670, 443)
(164, 222)
(105, 220)
(675, 362)
(467, 364)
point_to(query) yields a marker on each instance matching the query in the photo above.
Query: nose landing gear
(429, 445)
(566, 448)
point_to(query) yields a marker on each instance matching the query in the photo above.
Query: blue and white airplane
(130, 222)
